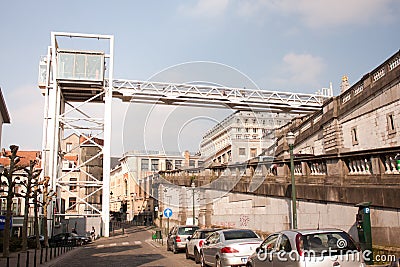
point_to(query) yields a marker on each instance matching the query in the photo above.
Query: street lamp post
(193, 187)
(290, 140)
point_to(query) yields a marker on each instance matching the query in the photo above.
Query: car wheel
(174, 249)
(187, 253)
(202, 261)
(196, 256)
(218, 262)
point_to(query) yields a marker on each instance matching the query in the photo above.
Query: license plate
(244, 260)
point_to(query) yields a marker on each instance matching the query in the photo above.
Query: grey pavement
(134, 247)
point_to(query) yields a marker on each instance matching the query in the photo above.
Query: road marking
(113, 244)
(125, 243)
(100, 246)
(138, 242)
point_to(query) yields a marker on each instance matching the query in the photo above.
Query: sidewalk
(34, 257)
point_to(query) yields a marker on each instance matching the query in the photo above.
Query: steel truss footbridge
(72, 79)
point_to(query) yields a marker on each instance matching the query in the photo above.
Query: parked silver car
(196, 241)
(300, 248)
(177, 237)
(229, 247)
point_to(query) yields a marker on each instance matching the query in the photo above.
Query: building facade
(132, 181)
(240, 137)
(80, 189)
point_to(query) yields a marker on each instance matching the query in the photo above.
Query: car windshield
(333, 243)
(239, 234)
(74, 235)
(187, 230)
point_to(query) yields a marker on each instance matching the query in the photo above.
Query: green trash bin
(398, 164)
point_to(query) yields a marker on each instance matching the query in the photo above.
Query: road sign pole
(168, 226)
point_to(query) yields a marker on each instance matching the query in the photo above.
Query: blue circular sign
(167, 212)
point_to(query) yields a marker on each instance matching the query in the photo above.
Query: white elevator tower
(73, 80)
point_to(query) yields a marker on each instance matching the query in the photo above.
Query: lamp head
(290, 138)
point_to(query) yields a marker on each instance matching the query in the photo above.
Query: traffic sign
(167, 212)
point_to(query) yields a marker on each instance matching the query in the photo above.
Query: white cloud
(300, 69)
(327, 13)
(206, 8)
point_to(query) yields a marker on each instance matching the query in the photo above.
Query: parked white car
(311, 248)
(229, 247)
(196, 241)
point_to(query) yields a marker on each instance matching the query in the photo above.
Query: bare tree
(31, 180)
(10, 183)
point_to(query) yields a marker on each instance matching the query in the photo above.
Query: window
(169, 165)
(72, 203)
(247, 130)
(269, 243)
(178, 164)
(145, 164)
(253, 152)
(68, 147)
(391, 123)
(242, 151)
(254, 130)
(154, 164)
(192, 163)
(354, 136)
(284, 244)
(72, 181)
(246, 136)
(238, 136)
(126, 187)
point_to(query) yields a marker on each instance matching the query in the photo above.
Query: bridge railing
(379, 167)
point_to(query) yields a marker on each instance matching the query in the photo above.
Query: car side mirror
(189, 238)
(260, 250)
(207, 242)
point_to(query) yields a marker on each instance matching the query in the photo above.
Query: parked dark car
(177, 237)
(32, 241)
(68, 239)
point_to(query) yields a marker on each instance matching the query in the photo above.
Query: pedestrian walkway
(33, 257)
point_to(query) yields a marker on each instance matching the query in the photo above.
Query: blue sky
(287, 45)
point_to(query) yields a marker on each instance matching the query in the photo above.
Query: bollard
(123, 230)
(41, 255)
(8, 261)
(27, 258)
(18, 259)
(45, 258)
(51, 253)
(34, 259)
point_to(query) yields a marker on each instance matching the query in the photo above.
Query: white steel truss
(66, 97)
(217, 96)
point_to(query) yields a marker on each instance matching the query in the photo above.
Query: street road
(135, 248)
